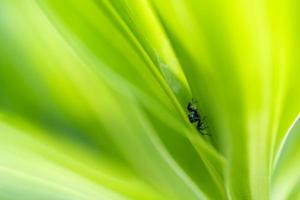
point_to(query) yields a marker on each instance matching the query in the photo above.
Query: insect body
(195, 117)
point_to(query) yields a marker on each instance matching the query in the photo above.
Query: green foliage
(93, 99)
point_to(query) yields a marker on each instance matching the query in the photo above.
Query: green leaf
(94, 94)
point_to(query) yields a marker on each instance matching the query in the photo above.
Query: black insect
(194, 116)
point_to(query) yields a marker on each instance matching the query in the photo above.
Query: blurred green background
(93, 98)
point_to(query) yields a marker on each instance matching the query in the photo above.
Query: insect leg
(200, 128)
